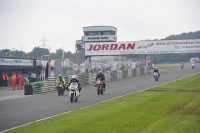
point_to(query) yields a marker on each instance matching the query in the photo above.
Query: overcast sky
(60, 21)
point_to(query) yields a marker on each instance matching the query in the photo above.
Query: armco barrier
(85, 79)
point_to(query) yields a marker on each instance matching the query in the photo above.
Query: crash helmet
(60, 76)
(156, 68)
(73, 77)
(100, 72)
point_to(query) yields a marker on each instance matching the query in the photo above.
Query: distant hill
(184, 36)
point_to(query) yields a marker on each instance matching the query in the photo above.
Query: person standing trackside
(47, 68)
(4, 79)
(14, 81)
(20, 81)
(0, 81)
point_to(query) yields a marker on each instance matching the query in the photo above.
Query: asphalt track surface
(17, 109)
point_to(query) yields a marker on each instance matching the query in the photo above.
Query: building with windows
(97, 34)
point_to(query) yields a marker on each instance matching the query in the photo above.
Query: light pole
(13, 51)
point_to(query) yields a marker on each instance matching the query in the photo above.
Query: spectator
(20, 81)
(6, 79)
(14, 81)
(47, 68)
(0, 81)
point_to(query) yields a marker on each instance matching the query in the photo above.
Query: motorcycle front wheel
(98, 90)
(72, 97)
(62, 92)
(59, 91)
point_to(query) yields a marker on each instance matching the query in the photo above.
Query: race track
(19, 109)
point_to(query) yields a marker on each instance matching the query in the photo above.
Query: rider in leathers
(60, 78)
(75, 80)
(101, 75)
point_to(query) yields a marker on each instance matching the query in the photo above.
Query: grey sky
(61, 21)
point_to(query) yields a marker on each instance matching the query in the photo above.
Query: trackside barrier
(124, 73)
(130, 73)
(119, 74)
(141, 71)
(113, 75)
(107, 76)
(134, 72)
(138, 71)
(85, 79)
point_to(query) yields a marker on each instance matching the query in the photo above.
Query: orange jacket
(14, 77)
(48, 64)
(4, 77)
(20, 78)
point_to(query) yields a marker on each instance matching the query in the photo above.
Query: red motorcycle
(60, 88)
(99, 85)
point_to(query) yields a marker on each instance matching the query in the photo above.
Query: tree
(37, 52)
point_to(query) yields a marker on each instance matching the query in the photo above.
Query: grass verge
(172, 108)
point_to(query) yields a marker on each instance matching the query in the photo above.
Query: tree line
(36, 53)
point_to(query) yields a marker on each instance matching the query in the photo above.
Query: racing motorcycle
(73, 92)
(193, 66)
(182, 66)
(155, 74)
(60, 88)
(99, 85)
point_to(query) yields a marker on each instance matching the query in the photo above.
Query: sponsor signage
(143, 47)
(15, 62)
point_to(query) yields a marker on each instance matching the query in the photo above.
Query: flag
(63, 54)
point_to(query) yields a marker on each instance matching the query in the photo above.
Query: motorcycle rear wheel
(101, 90)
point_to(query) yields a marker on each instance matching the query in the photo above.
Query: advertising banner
(143, 47)
(15, 62)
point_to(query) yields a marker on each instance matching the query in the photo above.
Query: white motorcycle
(73, 92)
(155, 74)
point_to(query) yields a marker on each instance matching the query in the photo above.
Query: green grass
(166, 67)
(172, 108)
(170, 66)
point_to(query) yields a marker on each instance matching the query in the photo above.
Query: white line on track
(12, 97)
(97, 103)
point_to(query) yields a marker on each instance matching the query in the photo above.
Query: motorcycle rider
(60, 78)
(193, 64)
(75, 80)
(182, 64)
(101, 75)
(156, 70)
